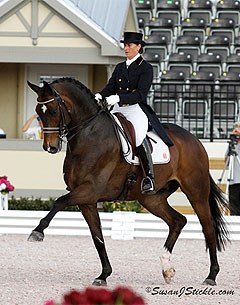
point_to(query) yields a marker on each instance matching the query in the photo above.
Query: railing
(208, 110)
(117, 225)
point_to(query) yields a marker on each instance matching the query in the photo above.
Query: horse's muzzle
(52, 144)
(52, 149)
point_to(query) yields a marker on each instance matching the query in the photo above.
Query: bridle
(62, 129)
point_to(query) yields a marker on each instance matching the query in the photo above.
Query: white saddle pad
(160, 154)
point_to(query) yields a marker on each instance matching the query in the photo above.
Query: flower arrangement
(100, 296)
(5, 185)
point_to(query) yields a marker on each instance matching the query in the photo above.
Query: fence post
(3, 201)
(123, 225)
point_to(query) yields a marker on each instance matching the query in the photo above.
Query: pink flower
(50, 302)
(5, 185)
(127, 296)
(99, 296)
(76, 298)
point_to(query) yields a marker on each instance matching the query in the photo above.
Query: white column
(3, 201)
(123, 225)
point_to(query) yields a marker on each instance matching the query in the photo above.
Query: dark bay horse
(95, 170)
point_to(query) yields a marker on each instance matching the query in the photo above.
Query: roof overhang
(109, 46)
(55, 55)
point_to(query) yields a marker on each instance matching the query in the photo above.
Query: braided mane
(75, 82)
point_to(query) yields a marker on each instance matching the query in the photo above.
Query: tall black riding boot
(144, 154)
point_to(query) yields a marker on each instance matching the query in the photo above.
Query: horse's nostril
(52, 149)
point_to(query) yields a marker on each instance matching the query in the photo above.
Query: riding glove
(112, 99)
(98, 97)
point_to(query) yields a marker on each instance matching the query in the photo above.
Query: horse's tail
(218, 203)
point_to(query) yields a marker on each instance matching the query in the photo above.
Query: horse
(95, 171)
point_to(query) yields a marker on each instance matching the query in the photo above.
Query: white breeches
(137, 117)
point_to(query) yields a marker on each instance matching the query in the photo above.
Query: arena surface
(32, 273)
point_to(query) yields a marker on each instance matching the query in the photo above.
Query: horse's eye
(53, 111)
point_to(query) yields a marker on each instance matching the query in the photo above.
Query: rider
(127, 91)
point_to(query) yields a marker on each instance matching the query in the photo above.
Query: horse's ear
(35, 88)
(45, 84)
(47, 87)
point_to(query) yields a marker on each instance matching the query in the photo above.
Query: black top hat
(133, 37)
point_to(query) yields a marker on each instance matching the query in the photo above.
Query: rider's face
(131, 49)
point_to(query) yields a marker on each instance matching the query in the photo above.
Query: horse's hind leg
(175, 221)
(91, 216)
(206, 221)
(199, 200)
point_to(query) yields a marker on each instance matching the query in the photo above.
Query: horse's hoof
(209, 282)
(168, 275)
(36, 236)
(99, 282)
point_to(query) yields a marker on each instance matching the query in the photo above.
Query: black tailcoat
(132, 84)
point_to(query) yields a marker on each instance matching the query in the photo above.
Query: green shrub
(127, 206)
(38, 204)
(35, 204)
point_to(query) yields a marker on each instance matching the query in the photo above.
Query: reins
(64, 131)
(84, 124)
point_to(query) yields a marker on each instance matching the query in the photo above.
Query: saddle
(129, 130)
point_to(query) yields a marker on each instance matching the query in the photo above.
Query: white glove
(112, 99)
(98, 97)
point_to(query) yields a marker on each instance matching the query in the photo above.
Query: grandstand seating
(161, 26)
(197, 42)
(233, 63)
(144, 5)
(181, 62)
(143, 20)
(228, 9)
(218, 44)
(194, 26)
(190, 44)
(196, 103)
(144, 10)
(202, 9)
(226, 103)
(169, 9)
(155, 60)
(171, 83)
(167, 96)
(224, 27)
(211, 63)
(158, 42)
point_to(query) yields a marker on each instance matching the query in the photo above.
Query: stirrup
(147, 186)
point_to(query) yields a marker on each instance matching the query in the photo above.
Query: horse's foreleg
(38, 233)
(91, 216)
